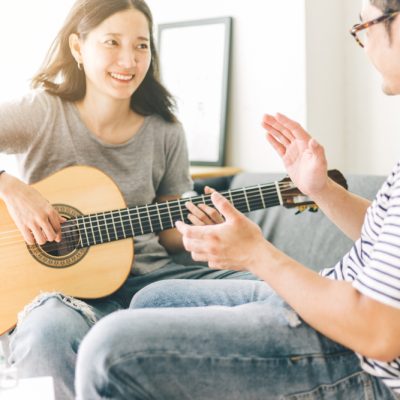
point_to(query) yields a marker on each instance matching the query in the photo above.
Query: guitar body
(89, 273)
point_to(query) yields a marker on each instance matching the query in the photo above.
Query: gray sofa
(308, 237)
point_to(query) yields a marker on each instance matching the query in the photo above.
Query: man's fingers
(212, 214)
(274, 126)
(195, 221)
(278, 146)
(295, 128)
(198, 214)
(208, 190)
(225, 208)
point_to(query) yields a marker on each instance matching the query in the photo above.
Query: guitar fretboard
(135, 221)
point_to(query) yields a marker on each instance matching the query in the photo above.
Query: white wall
(325, 84)
(298, 57)
(268, 68)
(294, 56)
(27, 29)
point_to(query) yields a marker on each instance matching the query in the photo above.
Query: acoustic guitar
(96, 253)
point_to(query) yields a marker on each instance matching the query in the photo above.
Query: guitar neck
(135, 221)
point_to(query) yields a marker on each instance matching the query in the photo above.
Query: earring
(79, 66)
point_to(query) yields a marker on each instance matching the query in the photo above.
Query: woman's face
(116, 55)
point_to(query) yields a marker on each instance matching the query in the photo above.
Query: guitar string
(175, 204)
(145, 227)
(168, 215)
(97, 230)
(153, 209)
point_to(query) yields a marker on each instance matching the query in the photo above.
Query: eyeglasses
(358, 30)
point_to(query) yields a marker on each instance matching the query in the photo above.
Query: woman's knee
(48, 326)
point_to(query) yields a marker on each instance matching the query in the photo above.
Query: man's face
(383, 50)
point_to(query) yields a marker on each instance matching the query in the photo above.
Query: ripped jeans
(233, 340)
(51, 328)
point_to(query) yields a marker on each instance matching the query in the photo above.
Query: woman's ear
(75, 46)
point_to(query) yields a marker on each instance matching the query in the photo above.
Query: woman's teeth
(121, 77)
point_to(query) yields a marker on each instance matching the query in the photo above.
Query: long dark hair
(60, 75)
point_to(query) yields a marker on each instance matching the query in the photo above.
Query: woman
(96, 101)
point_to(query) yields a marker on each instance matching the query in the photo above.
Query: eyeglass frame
(364, 25)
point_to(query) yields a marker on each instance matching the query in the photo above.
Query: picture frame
(195, 68)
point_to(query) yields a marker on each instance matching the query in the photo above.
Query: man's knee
(159, 294)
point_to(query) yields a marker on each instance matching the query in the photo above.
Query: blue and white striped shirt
(373, 265)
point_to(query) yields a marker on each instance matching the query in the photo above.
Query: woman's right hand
(303, 157)
(33, 215)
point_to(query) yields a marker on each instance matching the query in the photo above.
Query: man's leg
(259, 350)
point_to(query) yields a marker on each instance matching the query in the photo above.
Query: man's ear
(75, 46)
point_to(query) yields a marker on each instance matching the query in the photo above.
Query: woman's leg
(46, 340)
(259, 350)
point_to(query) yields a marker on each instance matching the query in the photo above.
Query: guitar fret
(91, 228)
(247, 200)
(130, 222)
(114, 226)
(140, 220)
(80, 233)
(106, 226)
(261, 195)
(159, 217)
(122, 224)
(99, 226)
(148, 215)
(170, 215)
(278, 192)
(230, 196)
(180, 211)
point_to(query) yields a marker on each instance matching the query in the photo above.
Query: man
(339, 339)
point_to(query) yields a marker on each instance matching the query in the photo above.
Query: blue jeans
(46, 342)
(233, 340)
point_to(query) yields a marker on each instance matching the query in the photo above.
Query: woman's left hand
(237, 243)
(202, 214)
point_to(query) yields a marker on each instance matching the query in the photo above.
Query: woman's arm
(37, 220)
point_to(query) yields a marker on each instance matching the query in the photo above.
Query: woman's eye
(111, 42)
(143, 46)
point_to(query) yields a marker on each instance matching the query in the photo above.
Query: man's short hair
(386, 5)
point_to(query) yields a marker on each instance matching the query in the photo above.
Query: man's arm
(345, 209)
(334, 308)
(306, 164)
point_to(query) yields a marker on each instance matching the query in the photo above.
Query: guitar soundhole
(66, 253)
(68, 244)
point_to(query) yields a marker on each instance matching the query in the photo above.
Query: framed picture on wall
(194, 60)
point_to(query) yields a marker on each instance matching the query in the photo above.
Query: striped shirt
(373, 265)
